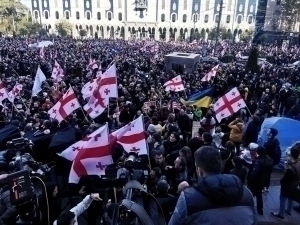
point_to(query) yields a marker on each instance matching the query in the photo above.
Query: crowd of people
(193, 177)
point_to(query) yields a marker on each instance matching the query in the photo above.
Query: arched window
(77, 15)
(195, 18)
(184, 18)
(239, 19)
(98, 3)
(67, 15)
(109, 17)
(173, 18)
(36, 14)
(98, 16)
(228, 19)
(120, 16)
(206, 19)
(217, 17)
(46, 14)
(120, 4)
(76, 4)
(88, 15)
(162, 18)
(250, 19)
(57, 15)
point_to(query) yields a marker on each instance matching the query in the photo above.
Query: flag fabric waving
(88, 89)
(39, 78)
(132, 137)
(15, 92)
(228, 104)
(57, 73)
(174, 84)
(71, 152)
(65, 106)
(3, 92)
(210, 74)
(93, 157)
(106, 88)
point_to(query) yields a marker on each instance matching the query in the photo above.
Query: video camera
(137, 205)
(24, 172)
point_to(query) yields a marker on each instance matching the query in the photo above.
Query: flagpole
(146, 144)
(80, 106)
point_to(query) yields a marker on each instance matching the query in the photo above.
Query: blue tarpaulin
(288, 132)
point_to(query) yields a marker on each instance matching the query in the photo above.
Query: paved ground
(271, 204)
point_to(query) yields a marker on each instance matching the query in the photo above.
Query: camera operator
(153, 179)
(70, 217)
(8, 213)
(166, 201)
(177, 173)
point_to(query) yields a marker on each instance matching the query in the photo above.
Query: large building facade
(145, 18)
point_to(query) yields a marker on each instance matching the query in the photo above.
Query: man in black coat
(258, 176)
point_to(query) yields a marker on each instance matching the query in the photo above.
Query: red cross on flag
(131, 137)
(15, 92)
(106, 88)
(92, 64)
(174, 84)
(57, 73)
(3, 92)
(210, 74)
(71, 152)
(228, 104)
(89, 88)
(93, 157)
(65, 106)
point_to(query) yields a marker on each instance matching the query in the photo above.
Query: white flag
(94, 156)
(228, 104)
(65, 106)
(39, 78)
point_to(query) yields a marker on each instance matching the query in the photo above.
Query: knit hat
(151, 129)
(274, 132)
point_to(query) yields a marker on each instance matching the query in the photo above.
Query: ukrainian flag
(201, 99)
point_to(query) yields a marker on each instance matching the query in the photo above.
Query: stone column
(167, 34)
(156, 36)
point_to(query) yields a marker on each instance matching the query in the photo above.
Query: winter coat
(290, 182)
(222, 195)
(259, 172)
(236, 133)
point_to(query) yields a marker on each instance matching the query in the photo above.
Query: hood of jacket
(222, 189)
(265, 161)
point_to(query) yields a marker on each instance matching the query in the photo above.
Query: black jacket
(290, 181)
(259, 172)
(8, 212)
(167, 203)
(217, 199)
(240, 173)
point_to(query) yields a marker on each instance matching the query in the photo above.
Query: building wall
(159, 19)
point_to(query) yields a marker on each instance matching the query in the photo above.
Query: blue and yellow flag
(201, 99)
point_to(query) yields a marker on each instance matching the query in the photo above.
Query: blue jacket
(217, 199)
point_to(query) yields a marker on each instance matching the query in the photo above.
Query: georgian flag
(65, 106)
(174, 84)
(93, 157)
